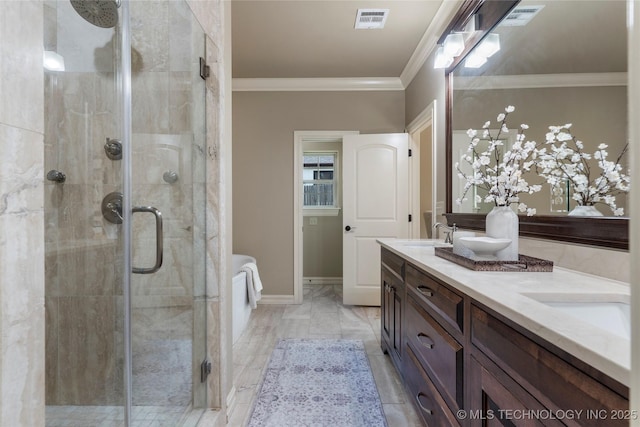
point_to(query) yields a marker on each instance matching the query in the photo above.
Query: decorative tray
(525, 263)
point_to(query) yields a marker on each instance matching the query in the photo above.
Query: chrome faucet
(448, 233)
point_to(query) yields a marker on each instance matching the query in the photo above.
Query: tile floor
(321, 315)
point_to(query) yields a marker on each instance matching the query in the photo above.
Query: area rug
(311, 382)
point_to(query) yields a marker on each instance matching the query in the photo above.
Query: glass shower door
(84, 252)
(167, 179)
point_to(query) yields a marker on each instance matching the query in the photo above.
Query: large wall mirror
(559, 62)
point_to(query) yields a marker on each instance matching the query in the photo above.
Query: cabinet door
(391, 312)
(497, 400)
(397, 320)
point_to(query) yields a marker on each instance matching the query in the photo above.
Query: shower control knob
(56, 176)
(113, 149)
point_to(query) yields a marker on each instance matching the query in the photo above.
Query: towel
(254, 285)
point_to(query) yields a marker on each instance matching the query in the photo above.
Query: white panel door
(375, 204)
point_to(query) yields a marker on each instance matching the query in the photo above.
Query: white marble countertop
(512, 295)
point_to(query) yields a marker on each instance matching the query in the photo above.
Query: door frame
(425, 119)
(299, 139)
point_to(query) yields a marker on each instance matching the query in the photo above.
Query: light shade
(474, 60)
(489, 45)
(454, 44)
(442, 59)
(52, 61)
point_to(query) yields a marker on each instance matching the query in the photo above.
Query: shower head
(101, 13)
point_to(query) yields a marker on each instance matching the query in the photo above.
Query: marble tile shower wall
(83, 262)
(21, 215)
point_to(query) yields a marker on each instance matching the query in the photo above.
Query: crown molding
(533, 81)
(429, 41)
(317, 84)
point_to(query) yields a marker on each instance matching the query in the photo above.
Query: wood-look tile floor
(321, 315)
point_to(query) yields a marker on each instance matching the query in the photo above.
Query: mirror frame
(609, 232)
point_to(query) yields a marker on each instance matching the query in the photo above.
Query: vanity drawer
(443, 300)
(393, 262)
(439, 353)
(426, 399)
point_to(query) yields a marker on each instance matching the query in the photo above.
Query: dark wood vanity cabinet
(465, 365)
(392, 304)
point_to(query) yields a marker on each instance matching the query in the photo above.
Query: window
(320, 180)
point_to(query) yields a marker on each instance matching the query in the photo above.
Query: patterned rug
(318, 383)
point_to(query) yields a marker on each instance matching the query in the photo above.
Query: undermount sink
(611, 313)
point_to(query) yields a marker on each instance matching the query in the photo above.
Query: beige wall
(263, 126)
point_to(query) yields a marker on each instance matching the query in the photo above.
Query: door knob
(349, 228)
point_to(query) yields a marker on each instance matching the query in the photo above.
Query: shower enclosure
(124, 213)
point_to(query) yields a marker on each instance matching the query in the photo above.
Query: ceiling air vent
(368, 19)
(520, 16)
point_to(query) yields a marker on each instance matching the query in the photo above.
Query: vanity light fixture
(52, 61)
(474, 60)
(453, 46)
(442, 60)
(488, 47)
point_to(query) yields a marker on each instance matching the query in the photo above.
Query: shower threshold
(113, 416)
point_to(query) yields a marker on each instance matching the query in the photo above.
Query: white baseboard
(322, 280)
(277, 299)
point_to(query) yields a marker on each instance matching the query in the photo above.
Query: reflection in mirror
(559, 62)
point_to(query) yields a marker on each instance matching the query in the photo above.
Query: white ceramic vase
(503, 223)
(585, 211)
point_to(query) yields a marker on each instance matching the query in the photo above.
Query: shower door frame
(125, 91)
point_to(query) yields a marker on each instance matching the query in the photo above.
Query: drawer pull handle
(428, 411)
(427, 292)
(425, 340)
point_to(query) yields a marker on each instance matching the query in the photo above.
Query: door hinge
(205, 70)
(205, 370)
(410, 218)
(410, 152)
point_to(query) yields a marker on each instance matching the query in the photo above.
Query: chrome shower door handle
(159, 246)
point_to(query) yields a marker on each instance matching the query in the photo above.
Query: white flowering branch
(566, 160)
(499, 170)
